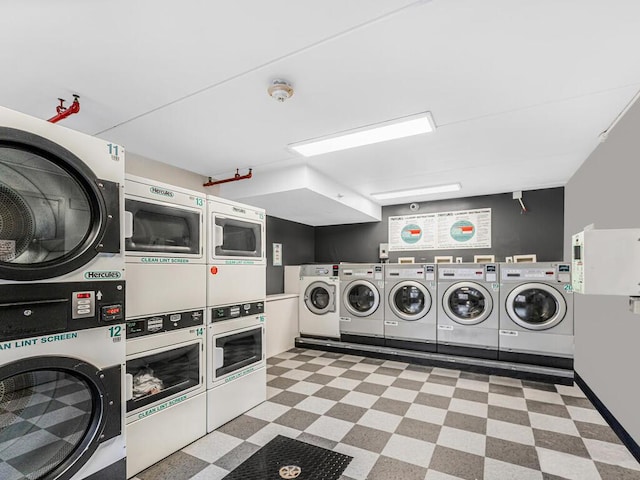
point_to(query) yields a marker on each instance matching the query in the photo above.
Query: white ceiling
(519, 91)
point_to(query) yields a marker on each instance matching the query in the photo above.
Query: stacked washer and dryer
(62, 295)
(166, 301)
(236, 294)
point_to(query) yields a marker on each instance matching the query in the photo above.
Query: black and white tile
(403, 421)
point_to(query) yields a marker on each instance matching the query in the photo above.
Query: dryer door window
(52, 418)
(410, 300)
(536, 306)
(55, 215)
(163, 229)
(467, 303)
(319, 298)
(361, 298)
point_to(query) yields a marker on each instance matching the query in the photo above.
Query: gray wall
(605, 191)
(538, 231)
(297, 248)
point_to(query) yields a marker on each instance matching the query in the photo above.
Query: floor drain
(290, 471)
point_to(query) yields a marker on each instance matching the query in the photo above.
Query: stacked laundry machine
(166, 301)
(236, 294)
(62, 298)
(536, 314)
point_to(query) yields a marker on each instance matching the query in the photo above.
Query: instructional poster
(441, 231)
(412, 232)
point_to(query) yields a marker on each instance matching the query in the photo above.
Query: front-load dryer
(536, 314)
(61, 383)
(164, 241)
(318, 309)
(362, 303)
(61, 201)
(468, 309)
(236, 252)
(410, 309)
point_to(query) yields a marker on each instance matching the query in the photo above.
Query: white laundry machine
(536, 314)
(468, 313)
(61, 201)
(318, 314)
(236, 253)
(165, 386)
(236, 357)
(410, 309)
(61, 394)
(362, 303)
(164, 241)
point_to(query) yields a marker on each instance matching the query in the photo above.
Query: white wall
(162, 172)
(606, 191)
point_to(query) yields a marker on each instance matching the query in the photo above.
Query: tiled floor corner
(410, 422)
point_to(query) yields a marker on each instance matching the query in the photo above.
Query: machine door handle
(128, 224)
(128, 385)
(219, 357)
(219, 236)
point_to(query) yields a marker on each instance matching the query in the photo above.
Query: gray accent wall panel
(297, 248)
(605, 192)
(538, 231)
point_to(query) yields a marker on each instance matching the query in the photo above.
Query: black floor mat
(283, 457)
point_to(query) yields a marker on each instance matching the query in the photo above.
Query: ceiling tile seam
(528, 107)
(298, 51)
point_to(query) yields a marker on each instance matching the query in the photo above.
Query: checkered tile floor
(410, 422)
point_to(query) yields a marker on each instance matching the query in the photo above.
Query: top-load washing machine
(468, 312)
(362, 303)
(318, 314)
(536, 314)
(164, 241)
(61, 201)
(410, 309)
(236, 255)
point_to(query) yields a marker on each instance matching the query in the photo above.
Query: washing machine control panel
(83, 305)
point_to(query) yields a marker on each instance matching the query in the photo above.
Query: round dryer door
(361, 298)
(536, 306)
(320, 298)
(55, 215)
(467, 303)
(410, 300)
(54, 414)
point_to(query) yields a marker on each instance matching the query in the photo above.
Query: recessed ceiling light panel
(379, 132)
(414, 192)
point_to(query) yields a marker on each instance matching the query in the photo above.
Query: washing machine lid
(320, 297)
(410, 300)
(536, 306)
(467, 303)
(55, 215)
(56, 412)
(361, 298)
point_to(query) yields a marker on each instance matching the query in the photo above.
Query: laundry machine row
(62, 299)
(524, 314)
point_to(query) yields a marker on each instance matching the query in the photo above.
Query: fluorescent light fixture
(414, 192)
(379, 132)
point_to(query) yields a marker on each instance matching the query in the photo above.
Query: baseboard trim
(615, 425)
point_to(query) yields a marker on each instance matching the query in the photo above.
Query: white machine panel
(606, 262)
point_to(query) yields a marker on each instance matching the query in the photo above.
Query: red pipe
(64, 112)
(235, 178)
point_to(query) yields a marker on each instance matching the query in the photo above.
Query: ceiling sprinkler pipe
(64, 112)
(235, 178)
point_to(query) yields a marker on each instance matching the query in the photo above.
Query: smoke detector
(280, 90)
